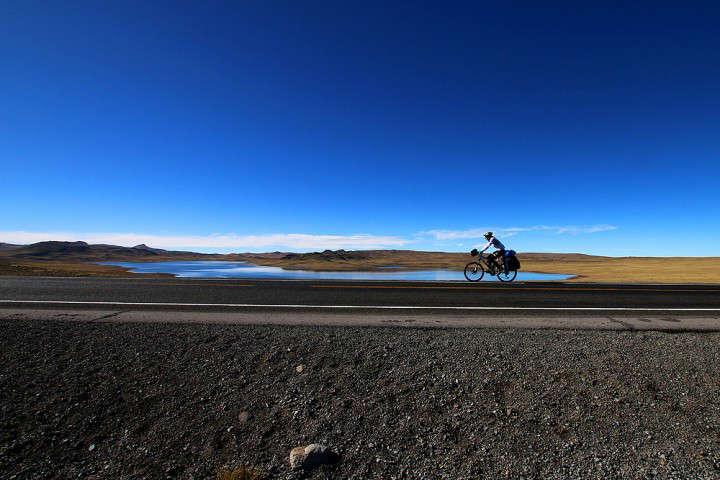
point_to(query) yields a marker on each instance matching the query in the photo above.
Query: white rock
(310, 456)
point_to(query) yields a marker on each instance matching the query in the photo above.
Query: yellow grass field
(43, 268)
(634, 269)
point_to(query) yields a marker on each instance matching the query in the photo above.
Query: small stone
(243, 417)
(91, 448)
(208, 451)
(311, 456)
(300, 368)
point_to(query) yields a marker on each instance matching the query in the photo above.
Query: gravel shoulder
(168, 400)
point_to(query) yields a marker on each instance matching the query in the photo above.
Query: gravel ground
(83, 400)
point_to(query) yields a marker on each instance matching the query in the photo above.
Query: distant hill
(82, 251)
(325, 260)
(345, 255)
(85, 252)
(258, 255)
(329, 255)
(344, 260)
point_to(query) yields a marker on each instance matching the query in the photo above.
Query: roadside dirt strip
(104, 398)
(610, 320)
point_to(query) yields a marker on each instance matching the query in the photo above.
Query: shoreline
(634, 270)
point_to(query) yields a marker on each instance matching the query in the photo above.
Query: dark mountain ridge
(328, 255)
(83, 251)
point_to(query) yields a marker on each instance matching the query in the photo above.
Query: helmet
(488, 235)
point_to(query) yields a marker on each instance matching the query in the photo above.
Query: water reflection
(219, 269)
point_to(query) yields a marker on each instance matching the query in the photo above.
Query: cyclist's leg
(496, 255)
(505, 261)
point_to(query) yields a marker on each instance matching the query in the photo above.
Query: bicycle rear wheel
(507, 277)
(474, 272)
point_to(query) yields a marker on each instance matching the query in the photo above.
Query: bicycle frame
(488, 261)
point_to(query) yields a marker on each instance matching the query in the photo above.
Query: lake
(219, 269)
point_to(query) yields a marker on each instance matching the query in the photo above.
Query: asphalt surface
(327, 295)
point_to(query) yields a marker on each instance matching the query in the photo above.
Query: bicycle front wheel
(474, 272)
(507, 277)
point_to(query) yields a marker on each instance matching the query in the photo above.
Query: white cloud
(287, 241)
(511, 231)
(291, 241)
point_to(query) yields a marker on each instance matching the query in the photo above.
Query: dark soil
(81, 400)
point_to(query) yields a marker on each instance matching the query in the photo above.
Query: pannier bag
(513, 261)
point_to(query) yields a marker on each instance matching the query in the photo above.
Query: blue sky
(256, 126)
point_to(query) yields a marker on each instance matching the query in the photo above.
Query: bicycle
(475, 271)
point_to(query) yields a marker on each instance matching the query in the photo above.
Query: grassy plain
(634, 269)
(585, 268)
(45, 268)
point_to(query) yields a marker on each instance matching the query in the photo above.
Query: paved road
(410, 304)
(331, 294)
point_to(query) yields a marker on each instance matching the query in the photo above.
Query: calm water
(203, 269)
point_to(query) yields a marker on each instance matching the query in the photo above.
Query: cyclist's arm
(488, 245)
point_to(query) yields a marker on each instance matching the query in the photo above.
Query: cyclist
(499, 249)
